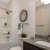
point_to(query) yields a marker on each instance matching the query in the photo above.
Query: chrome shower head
(8, 12)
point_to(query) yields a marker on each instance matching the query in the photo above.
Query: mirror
(42, 18)
(23, 15)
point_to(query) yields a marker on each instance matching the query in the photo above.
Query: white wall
(29, 5)
(43, 18)
(17, 6)
(4, 5)
(15, 21)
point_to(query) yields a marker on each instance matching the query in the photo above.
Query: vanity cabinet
(27, 46)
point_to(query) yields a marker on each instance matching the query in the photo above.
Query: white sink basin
(47, 44)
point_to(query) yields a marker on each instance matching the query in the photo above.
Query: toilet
(16, 48)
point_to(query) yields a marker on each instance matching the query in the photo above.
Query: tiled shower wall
(3, 29)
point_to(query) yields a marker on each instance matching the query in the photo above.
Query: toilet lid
(16, 48)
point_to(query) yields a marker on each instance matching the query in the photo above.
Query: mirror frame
(21, 13)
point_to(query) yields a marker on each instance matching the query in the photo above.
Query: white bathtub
(5, 45)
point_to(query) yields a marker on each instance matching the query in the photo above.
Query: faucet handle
(32, 38)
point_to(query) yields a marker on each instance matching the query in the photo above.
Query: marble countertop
(32, 42)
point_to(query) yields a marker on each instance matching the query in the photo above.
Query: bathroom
(12, 26)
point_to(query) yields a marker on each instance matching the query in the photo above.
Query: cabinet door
(27, 46)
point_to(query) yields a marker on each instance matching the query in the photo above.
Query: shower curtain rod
(5, 9)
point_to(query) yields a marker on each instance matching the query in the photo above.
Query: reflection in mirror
(42, 18)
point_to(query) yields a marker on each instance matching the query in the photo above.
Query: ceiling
(38, 3)
(5, 1)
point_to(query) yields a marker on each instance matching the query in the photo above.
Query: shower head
(8, 12)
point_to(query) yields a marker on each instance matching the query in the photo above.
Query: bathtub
(5, 45)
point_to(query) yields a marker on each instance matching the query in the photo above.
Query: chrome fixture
(20, 25)
(7, 11)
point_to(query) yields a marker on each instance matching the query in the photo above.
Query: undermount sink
(47, 44)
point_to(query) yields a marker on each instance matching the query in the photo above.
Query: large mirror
(42, 18)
